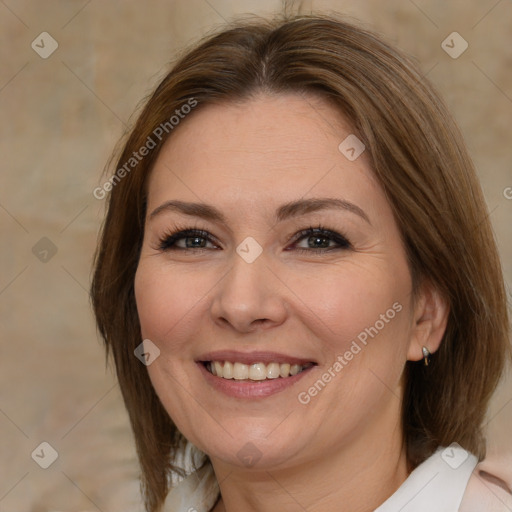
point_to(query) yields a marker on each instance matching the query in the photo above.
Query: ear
(430, 317)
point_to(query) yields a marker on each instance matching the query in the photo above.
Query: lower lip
(248, 388)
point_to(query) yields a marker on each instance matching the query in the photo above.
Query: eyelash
(168, 241)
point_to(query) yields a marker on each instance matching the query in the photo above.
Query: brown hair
(420, 160)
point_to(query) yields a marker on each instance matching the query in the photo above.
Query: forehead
(266, 148)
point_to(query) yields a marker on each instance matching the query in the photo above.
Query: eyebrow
(285, 211)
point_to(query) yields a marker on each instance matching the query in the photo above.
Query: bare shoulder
(489, 488)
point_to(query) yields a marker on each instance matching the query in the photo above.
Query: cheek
(167, 302)
(350, 300)
(362, 319)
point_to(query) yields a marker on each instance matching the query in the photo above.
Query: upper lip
(248, 358)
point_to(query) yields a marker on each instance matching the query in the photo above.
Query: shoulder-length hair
(420, 160)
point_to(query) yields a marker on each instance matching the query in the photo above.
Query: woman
(298, 251)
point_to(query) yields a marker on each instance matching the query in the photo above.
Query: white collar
(436, 484)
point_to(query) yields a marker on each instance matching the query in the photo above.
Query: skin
(247, 159)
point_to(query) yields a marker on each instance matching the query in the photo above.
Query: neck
(359, 476)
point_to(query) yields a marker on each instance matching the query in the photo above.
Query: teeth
(273, 371)
(227, 372)
(256, 371)
(284, 370)
(240, 371)
(294, 369)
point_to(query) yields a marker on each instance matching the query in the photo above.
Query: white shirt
(436, 485)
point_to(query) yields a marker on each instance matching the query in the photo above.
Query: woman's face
(292, 258)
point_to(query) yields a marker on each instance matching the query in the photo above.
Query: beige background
(61, 117)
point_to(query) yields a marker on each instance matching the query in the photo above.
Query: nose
(249, 297)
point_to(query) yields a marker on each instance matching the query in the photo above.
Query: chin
(256, 453)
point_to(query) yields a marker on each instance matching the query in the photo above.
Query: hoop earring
(426, 355)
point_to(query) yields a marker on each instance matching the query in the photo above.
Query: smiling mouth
(254, 372)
